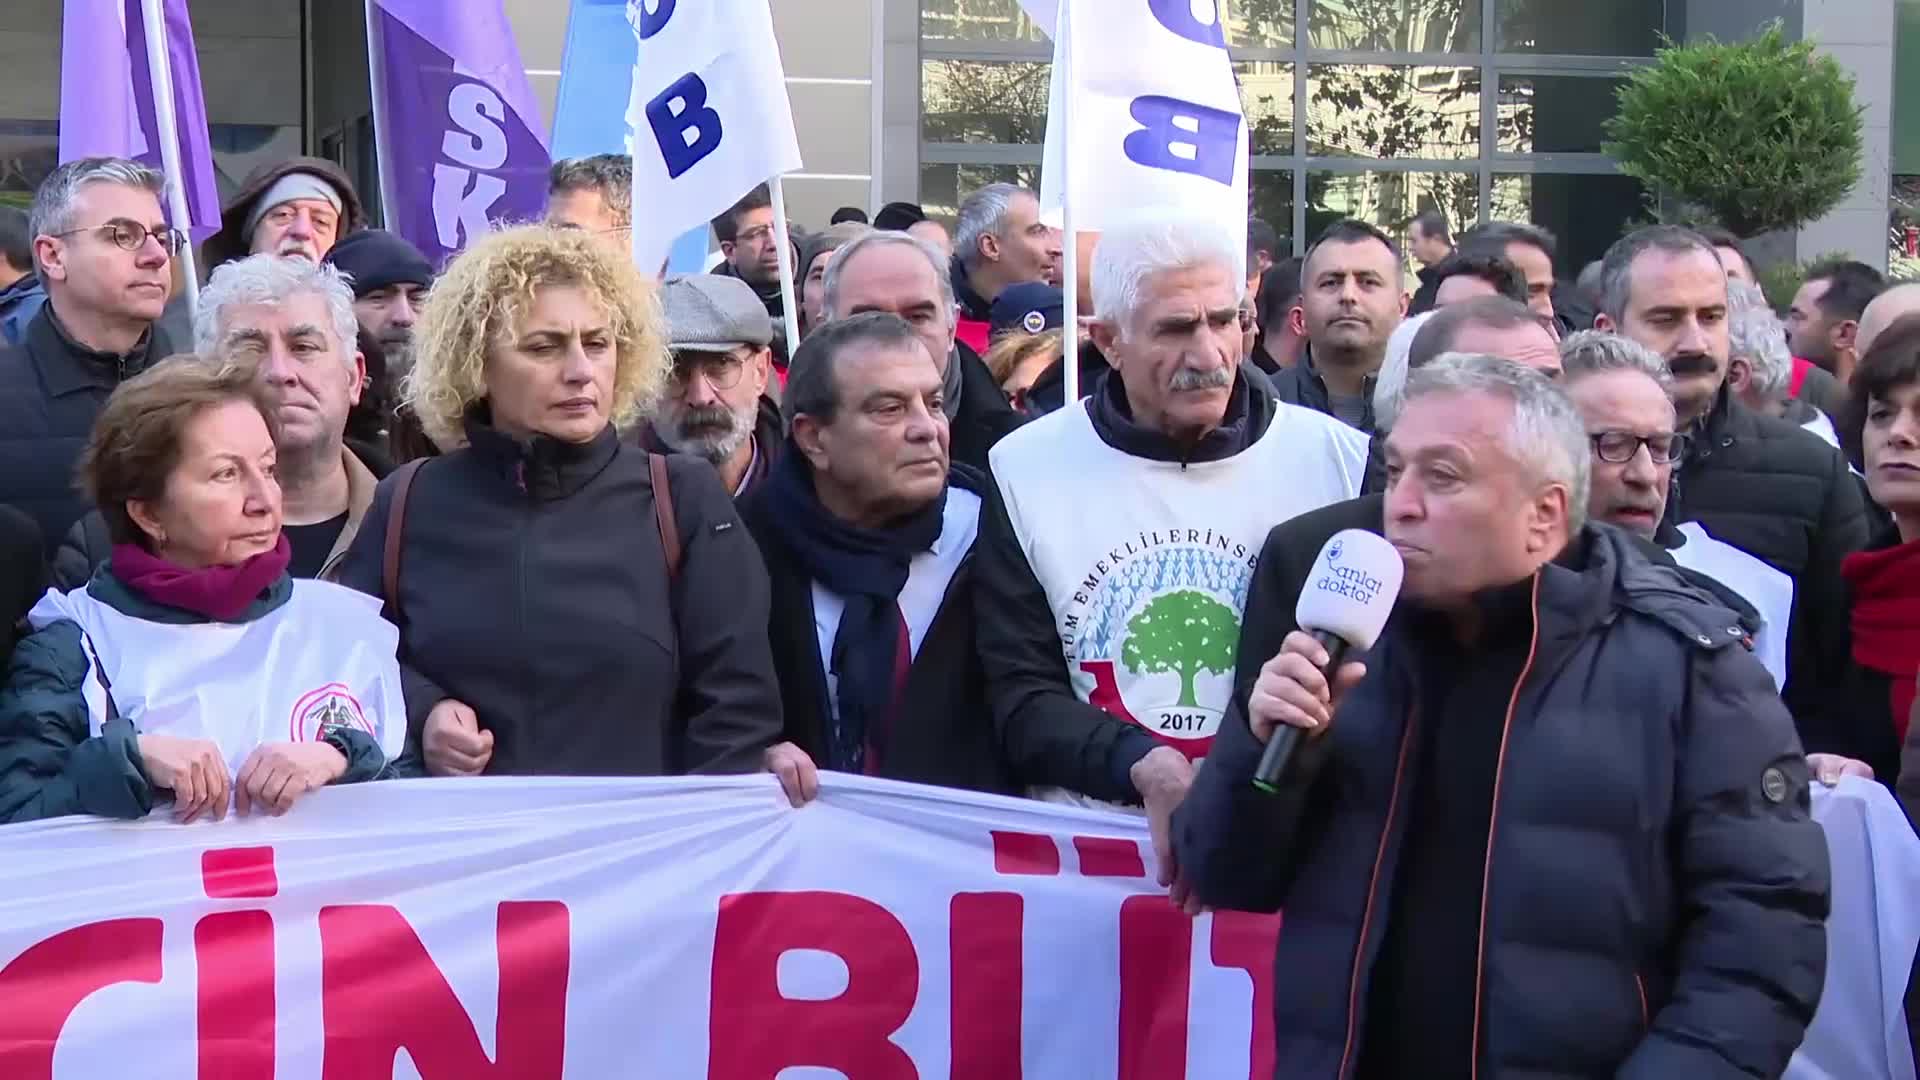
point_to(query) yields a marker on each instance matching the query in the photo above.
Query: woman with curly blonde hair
(559, 612)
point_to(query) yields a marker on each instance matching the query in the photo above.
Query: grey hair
(1392, 377)
(272, 280)
(1546, 435)
(609, 174)
(1129, 252)
(875, 238)
(1616, 270)
(1755, 334)
(981, 213)
(52, 210)
(812, 390)
(1595, 352)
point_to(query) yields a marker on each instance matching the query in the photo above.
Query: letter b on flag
(1183, 137)
(671, 125)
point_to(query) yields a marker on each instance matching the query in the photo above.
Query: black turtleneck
(1246, 419)
(543, 468)
(1419, 1008)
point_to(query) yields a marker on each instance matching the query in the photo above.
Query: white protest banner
(708, 119)
(1155, 115)
(683, 928)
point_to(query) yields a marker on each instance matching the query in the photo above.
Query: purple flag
(456, 123)
(106, 97)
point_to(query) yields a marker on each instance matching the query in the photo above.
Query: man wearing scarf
(867, 528)
(1121, 531)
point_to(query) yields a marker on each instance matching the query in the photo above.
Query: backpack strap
(396, 523)
(663, 515)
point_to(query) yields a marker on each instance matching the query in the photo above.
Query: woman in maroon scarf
(1884, 580)
(192, 667)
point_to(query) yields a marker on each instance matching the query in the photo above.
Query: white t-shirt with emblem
(323, 657)
(1147, 564)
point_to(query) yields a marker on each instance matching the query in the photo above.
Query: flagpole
(1070, 241)
(377, 82)
(780, 237)
(160, 71)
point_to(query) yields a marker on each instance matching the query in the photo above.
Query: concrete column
(1860, 35)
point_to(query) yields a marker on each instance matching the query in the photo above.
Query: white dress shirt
(928, 576)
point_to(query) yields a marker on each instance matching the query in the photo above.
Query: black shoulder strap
(396, 523)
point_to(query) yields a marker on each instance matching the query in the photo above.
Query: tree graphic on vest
(1185, 632)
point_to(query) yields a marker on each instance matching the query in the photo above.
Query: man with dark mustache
(1756, 482)
(716, 405)
(1352, 297)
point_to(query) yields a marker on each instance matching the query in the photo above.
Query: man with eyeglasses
(299, 207)
(105, 252)
(716, 405)
(753, 254)
(1619, 388)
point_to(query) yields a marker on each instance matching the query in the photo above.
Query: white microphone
(1344, 605)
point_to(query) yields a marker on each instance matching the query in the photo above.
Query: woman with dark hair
(192, 665)
(1883, 581)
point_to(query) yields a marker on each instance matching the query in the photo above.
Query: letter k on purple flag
(456, 123)
(106, 97)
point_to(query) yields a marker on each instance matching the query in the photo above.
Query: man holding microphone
(1556, 824)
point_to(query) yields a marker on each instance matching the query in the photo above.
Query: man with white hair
(905, 275)
(1759, 364)
(1557, 822)
(1121, 530)
(998, 241)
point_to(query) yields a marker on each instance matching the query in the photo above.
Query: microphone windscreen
(1352, 588)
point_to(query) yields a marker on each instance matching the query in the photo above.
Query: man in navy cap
(390, 279)
(1031, 307)
(716, 405)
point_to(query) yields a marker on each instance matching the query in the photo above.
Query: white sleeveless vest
(323, 657)
(1147, 564)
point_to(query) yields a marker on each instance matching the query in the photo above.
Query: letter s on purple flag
(459, 125)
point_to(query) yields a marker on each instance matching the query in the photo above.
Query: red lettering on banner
(1109, 856)
(988, 977)
(1022, 853)
(1246, 941)
(751, 1025)
(43, 985)
(234, 953)
(381, 992)
(1156, 962)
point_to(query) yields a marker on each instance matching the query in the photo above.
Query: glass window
(943, 184)
(1554, 114)
(970, 101)
(1391, 200)
(1266, 97)
(29, 150)
(1397, 25)
(1614, 28)
(1587, 213)
(976, 20)
(1270, 198)
(1356, 110)
(1258, 24)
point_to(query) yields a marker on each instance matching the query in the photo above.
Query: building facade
(1483, 109)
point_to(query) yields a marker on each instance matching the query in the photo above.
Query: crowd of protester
(535, 512)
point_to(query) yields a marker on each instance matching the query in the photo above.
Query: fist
(799, 778)
(1293, 689)
(453, 744)
(193, 769)
(276, 774)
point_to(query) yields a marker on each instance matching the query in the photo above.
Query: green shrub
(1759, 135)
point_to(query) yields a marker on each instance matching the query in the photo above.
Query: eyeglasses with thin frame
(130, 235)
(721, 370)
(754, 235)
(1619, 447)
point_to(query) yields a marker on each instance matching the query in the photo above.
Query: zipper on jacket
(1373, 888)
(1493, 821)
(1640, 985)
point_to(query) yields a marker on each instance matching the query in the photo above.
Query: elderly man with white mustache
(716, 405)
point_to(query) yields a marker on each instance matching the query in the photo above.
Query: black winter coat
(984, 417)
(534, 588)
(1656, 889)
(51, 389)
(944, 735)
(1785, 497)
(1301, 384)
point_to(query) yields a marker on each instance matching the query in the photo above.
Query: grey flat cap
(710, 313)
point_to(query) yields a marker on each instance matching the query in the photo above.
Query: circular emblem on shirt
(1773, 784)
(324, 710)
(1034, 322)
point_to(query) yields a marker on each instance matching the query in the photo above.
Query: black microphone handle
(1286, 738)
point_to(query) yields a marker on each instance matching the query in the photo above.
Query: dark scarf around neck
(1886, 620)
(220, 593)
(866, 568)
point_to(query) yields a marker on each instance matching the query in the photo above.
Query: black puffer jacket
(1784, 496)
(1301, 384)
(534, 588)
(1656, 889)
